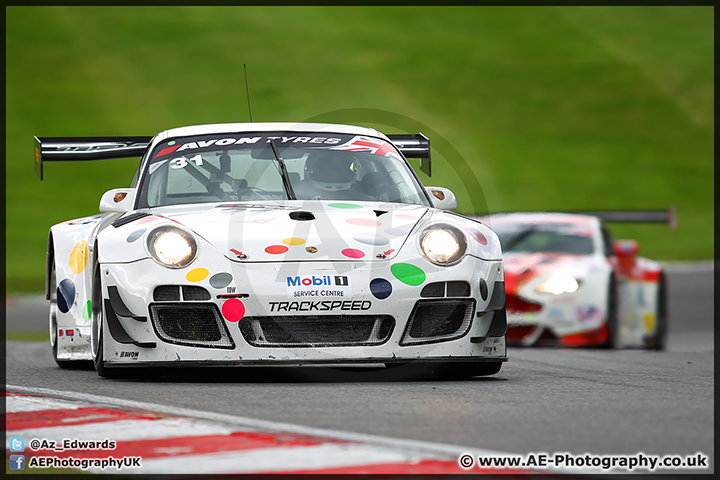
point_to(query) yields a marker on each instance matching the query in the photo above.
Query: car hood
(521, 268)
(300, 230)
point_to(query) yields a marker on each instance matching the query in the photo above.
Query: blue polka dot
(135, 235)
(381, 288)
(371, 239)
(65, 295)
(395, 232)
(220, 280)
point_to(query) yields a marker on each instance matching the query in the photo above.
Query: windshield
(212, 168)
(533, 238)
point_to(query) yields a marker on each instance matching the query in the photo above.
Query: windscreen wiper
(283, 172)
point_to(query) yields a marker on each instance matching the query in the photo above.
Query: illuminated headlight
(443, 244)
(172, 247)
(558, 285)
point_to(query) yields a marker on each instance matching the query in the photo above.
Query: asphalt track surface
(544, 400)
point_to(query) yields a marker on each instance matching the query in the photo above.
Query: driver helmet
(329, 170)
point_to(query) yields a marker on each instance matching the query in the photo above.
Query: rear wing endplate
(414, 146)
(73, 149)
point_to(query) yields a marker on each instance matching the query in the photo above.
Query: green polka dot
(86, 311)
(344, 205)
(408, 274)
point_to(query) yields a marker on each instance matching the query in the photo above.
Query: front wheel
(658, 340)
(612, 317)
(464, 370)
(53, 324)
(96, 339)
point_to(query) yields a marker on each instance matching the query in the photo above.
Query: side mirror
(118, 200)
(626, 249)
(442, 198)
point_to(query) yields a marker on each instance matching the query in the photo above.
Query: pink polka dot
(147, 220)
(353, 253)
(363, 222)
(405, 217)
(233, 310)
(276, 249)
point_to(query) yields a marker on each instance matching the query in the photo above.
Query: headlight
(558, 285)
(443, 244)
(172, 247)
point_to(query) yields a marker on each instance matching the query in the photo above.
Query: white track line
(245, 422)
(268, 460)
(29, 404)
(371, 449)
(127, 430)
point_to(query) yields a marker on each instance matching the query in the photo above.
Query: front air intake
(171, 293)
(192, 324)
(516, 304)
(433, 321)
(457, 288)
(317, 330)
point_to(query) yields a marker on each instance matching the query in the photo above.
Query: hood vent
(129, 218)
(302, 216)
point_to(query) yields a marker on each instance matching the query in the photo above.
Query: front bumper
(231, 313)
(567, 319)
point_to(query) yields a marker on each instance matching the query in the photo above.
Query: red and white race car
(569, 283)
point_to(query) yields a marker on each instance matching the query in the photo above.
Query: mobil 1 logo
(319, 286)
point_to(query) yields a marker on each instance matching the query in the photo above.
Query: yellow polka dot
(78, 257)
(649, 319)
(294, 241)
(197, 274)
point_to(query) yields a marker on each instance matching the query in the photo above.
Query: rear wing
(73, 149)
(414, 146)
(668, 216)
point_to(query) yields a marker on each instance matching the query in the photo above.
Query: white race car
(569, 283)
(270, 243)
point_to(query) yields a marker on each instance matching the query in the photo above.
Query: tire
(465, 370)
(52, 320)
(96, 337)
(613, 319)
(658, 340)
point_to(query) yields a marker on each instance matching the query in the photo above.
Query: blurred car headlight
(172, 247)
(559, 285)
(443, 244)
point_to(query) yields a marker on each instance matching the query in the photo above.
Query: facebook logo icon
(17, 462)
(17, 444)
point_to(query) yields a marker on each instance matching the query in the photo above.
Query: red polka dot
(233, 310)
(363, 222)
(353, 253)
(478, 236)
(276, 249)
